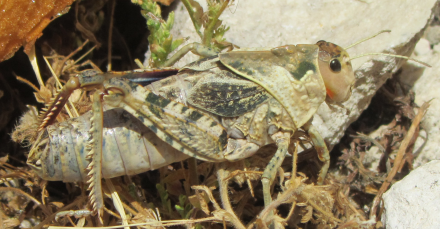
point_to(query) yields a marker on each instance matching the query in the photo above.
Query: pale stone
(433, 34)
(414, 202)
(271, 23)
(423, 47)
(426, 88)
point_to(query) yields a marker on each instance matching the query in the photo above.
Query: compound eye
(335, 65)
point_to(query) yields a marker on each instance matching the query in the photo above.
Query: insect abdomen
(129, 148)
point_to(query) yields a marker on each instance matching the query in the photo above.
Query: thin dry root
(76, 213)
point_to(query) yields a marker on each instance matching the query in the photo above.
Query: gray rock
(414, 202)
(433, 34)
(426, 83)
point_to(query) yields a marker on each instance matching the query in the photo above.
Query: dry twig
(398, 160)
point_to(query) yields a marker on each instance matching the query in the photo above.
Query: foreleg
(321, 148)
(282, 140)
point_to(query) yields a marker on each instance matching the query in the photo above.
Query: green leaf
(185, 209)
(177, 43)
(195, 12)
(198, 226)
(167, 44)
(170, 21)
(166, 203)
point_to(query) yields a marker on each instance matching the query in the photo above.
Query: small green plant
(214, 31)
(166, 203)
(185, 209)
(160, 39)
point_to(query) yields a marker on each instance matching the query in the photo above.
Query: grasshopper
(221, 108)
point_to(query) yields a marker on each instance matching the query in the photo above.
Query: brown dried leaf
(44, 95)
(308, 214)
(11, 223)
(200, 201)
(4, 159)
(23, 21)
(57, 204)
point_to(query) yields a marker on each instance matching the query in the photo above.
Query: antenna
(368, 38)
(382, 54)
(392, 55)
